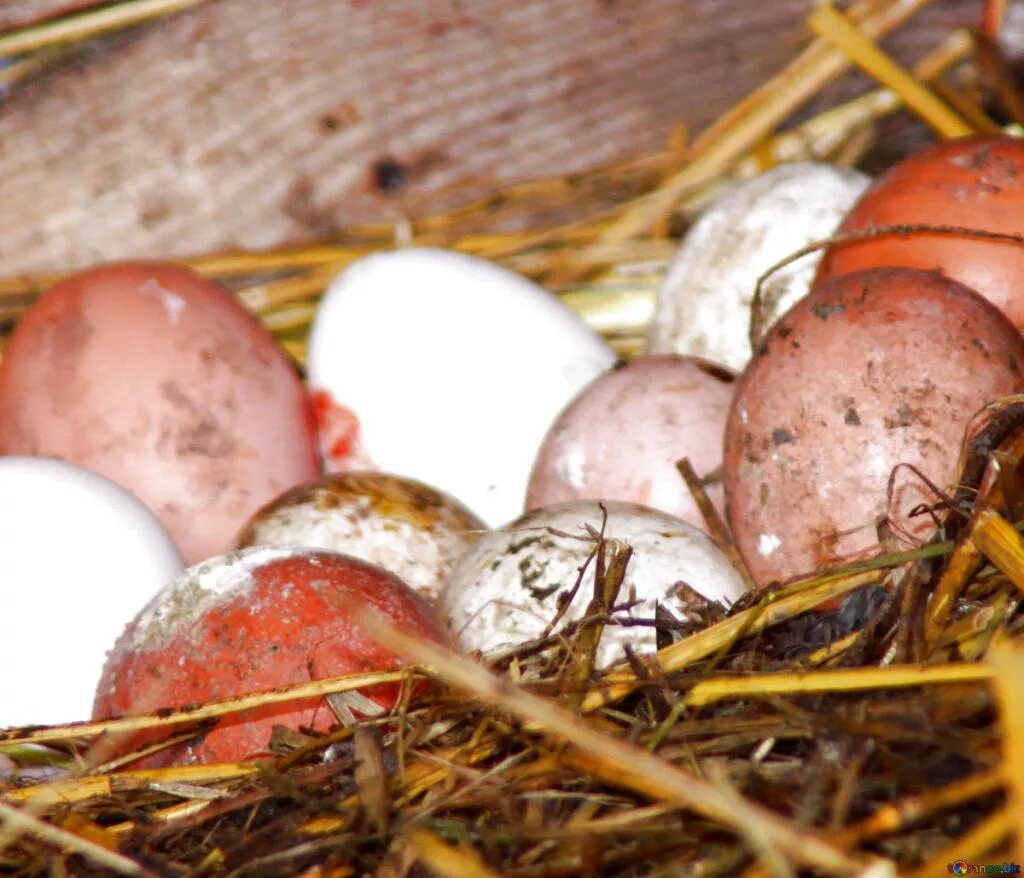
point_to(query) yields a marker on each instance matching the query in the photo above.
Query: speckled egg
(404, 526)
(872, 370)
(508, 587)
(620, 438)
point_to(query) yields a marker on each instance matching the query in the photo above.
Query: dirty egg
(161, 381)
(873, 370)
(509, 586)
(703, 307)
(256, 619)
(402, 525)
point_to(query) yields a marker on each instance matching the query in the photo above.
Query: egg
(703, 306)
(445, 368)
(508, 587)
(873, 370)
(161, 381)
(80, 557)
(976, 183)
(257, 619)
(620, 438)
(399, 524)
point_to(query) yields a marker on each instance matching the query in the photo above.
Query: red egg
(976, 183)
(620, 438)
(870, 371)
(253, 620)
(161, 381)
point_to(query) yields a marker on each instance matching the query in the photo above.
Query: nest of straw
(867, 721)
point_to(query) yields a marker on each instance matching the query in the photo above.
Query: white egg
(80, 557)
(445, 368)
(703, 307)
(506, 589)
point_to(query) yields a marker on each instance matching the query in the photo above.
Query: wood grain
(250, 123)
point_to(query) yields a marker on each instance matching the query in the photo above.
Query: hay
(867, 721)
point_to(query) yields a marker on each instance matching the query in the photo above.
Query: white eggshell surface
(506, 589)
(80, 557)
(447, 369)
(703, 308)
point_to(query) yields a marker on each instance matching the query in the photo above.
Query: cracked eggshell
(620, 438)
(160, 380)
(399, 524)
(871, 370)
(506, 589)
(257, 619)
(703, 307)
(445, 368)
(80, 556)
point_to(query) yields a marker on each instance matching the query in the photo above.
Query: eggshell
(976, 183)
(703, 307)
(506, 589)
(871, 370)
(399, 524)
(445, 368)
(256, 619)
(621, 436)
(79, 556)
(163, 382)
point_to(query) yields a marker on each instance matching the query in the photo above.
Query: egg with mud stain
(161, 381)
(399, 524)
(512, 583)
(445, 368)
(874, 375)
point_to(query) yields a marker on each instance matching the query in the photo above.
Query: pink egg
(161, 381)
(621, 436)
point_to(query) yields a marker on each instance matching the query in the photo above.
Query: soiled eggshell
(445, 368)
(257, 619)
(507, 588)
(976, 183)
(873, 369)
(620, 438)
(703, 307)
(80, 556)
(399, 524)
(163, 382)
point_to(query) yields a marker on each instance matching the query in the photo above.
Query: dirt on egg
(874, 376)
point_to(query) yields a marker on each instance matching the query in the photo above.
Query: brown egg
(404, 526)
(871, 370)
(161, 381)
(973, 182)
(620, 438)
